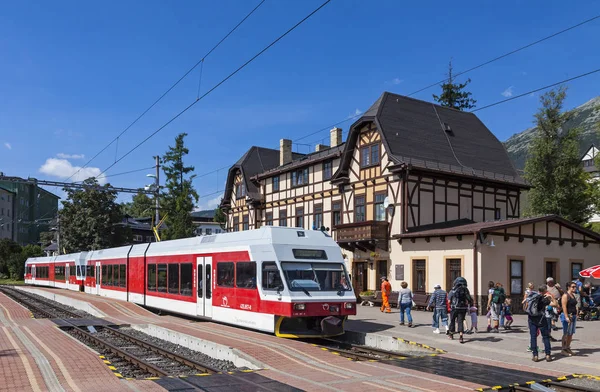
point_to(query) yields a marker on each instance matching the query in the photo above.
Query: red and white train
(287, 281)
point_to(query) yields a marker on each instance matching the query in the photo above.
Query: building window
(236, 224)
(208, 231)
(453, 271)
(225, 273)
(336, 213)
(419, 275)
(382, 269)
(497, 214)
(369, 155)
(318, 221)
(217, 231)
(199, 231)
(245, 223)
(283, 218)
(300, 177)
(240, 190)
(359, 209)
(269, 219)
(299, 217)
(138, 238)
(245, 276)
(516, 276)
(275, 183)
(327, 170)
(379, 209)
(575, 270)
(271, 279)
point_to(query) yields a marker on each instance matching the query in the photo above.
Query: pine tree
(179, 199)
(559, 183)
(453, 95)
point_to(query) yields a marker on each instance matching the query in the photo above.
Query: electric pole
(157, 190)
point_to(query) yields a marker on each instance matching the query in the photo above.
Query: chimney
(285, 151)
(336, 136)
(321, 147)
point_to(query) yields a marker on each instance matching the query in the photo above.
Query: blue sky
(73, 74)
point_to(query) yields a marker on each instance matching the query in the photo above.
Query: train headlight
(299, 306)
(349, 305)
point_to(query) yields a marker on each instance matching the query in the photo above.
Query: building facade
(407, 167)
(589, 165)
(7, 209)
(33, 209)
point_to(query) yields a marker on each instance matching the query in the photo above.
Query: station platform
(306, 367)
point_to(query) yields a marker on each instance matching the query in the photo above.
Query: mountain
(586, 117)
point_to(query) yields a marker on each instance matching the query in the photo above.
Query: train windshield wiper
(305, 291)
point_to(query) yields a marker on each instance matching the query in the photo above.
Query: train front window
(316, 276)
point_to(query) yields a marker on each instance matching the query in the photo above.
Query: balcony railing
(363, 235)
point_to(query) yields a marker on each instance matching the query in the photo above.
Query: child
(507, 314)
(473, 313)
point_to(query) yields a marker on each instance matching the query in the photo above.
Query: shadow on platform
(367, 326)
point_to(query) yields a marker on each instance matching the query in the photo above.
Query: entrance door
(98, 277)
(204, 286)
(453, 271)
(551, 270)
(359, 276)
(419, 268)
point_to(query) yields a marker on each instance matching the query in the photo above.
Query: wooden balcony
(366, 236)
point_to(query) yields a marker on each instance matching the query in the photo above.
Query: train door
(98, 277)
(204, 286)
(33, 273)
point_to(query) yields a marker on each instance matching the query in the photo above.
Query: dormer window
(240, 190)
(369, 155)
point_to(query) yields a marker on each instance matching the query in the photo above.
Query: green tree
(179, 196)
(140, 206)
(8, 248)
(91, 219)
(16, 262)
(46, 238)
(559, 183)
(453, 95)
(220, 217)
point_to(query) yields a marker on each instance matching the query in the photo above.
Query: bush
(367, 293)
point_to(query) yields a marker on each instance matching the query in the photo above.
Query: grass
(12, 281)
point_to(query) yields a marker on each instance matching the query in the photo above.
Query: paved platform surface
(506, 347)
(309, 368)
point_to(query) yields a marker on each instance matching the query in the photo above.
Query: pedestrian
(551, 314)
(405, 300)
(491, 286)
(529, 289)
(495, 302)
(460, 301)
(437, 301)
(473, 314)
(568, 318)
(506, 309)
(536, 306)
(386, 291)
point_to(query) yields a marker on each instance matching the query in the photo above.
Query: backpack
(460, 299)
(535, 307)
(499, 296)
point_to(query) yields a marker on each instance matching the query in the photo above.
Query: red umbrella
(592, 272)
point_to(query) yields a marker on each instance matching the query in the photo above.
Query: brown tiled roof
(477, 227)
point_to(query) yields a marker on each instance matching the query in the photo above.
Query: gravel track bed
(581, 382)
(43, 302)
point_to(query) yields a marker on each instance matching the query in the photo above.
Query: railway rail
(356, 352)
(553, 386)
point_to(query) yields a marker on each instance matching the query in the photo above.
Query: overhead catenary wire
(201, 61)
(218, 84)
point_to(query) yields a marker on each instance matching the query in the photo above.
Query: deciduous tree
(140, 206)
(179, 197)
(453, 94)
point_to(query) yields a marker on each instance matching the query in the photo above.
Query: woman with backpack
(536, 308)
(495, 302)
(460, 302)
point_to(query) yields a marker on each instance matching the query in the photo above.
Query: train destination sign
(310, 254)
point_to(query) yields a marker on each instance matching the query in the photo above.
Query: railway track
(355, 352)
(148, 359)
(553, 386)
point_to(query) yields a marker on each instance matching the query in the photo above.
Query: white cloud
(508, 92)
(7, 145)
(532, 94)
(63, 169)
(394, 82)
(70, 156)
(357, 112)
(210, 204)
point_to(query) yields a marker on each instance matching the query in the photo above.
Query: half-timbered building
(419, 193)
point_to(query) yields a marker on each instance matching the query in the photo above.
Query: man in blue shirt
(440, 310)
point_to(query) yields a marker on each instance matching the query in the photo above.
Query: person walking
(386, 291)
(568, 318)
(555, 291)
(460, 301)
(491, 286)
(536, 307)
(438, 302)
(506, 309)
(495, 302)
(405, 300)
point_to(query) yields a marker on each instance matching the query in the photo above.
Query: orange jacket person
(386, 290)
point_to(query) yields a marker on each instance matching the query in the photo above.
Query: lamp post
(156, 188)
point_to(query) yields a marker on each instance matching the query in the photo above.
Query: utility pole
(58, 232)
(157, 190)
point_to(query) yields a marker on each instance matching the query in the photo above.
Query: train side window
(208, 282)
(186, 279)
(225, 274)
(173, 278)
(246, 275)
(151, 277)
(122, 275)
(161, 273)
(200, 272)
(115, 275)
(104, 274)
(271, 277)
(109, 277)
